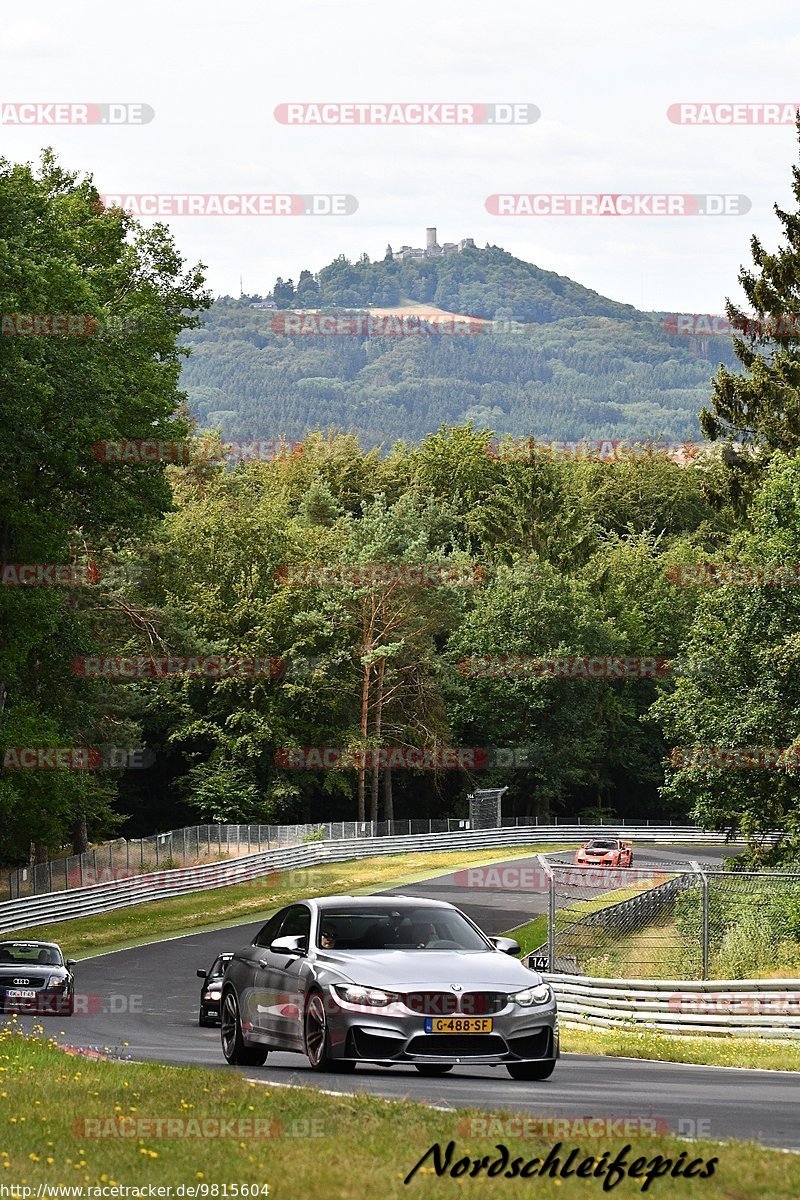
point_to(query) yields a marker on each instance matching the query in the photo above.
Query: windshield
(423, 928)
(219, 964)
(29, 954)
(602, 846)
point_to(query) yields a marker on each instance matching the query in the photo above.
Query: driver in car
(422, 932)
(327, 936)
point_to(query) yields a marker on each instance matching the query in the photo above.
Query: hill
(557, 360)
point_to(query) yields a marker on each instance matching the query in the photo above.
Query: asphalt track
(143, 1005)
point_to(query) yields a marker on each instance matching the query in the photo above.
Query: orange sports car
(606, 852)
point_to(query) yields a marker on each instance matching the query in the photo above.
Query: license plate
(458, 1025)
(20, 994)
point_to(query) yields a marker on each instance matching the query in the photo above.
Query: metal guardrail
(644, 907)
(757, 1008)
(31, 911)
(188, 846)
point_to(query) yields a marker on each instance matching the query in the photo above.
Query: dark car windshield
(602, 846)
(424, 928)
(29, 954)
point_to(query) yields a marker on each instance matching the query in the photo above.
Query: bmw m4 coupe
(386, 980)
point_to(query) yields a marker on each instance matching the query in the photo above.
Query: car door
(290, 973)
(254, 998)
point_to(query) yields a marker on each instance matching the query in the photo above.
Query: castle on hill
(432, 248)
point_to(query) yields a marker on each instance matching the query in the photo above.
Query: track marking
(349, 1095)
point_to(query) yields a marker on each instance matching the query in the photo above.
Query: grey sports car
(386, 980)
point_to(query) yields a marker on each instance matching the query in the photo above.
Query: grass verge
(193, 913)
(778, 1055)
(531, 935)
(337, 1147)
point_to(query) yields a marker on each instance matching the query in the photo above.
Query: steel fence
(119, 892)
(196, 844)
(671, 921)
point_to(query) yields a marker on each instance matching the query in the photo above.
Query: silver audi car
(386, 980)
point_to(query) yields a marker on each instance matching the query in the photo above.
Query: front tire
(234, 1047)
(317, 1038)
(531, 1070)
(433, 1068)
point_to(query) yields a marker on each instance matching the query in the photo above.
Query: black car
(35, 978)
(211, 991)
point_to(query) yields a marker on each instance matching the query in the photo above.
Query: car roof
(29, 942)
(388, 902)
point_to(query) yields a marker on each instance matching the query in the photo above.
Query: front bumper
(45, 1001)
(517, 1035)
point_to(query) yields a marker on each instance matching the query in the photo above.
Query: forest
(335, 629)
(555, 359)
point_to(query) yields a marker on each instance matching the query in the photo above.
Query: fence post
(704, 919)
(705, 927)
(551, 925)
(127, 857)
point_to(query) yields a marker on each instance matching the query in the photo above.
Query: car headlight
(368, 996)
(56, 981)
(530, 996)
(213, 993)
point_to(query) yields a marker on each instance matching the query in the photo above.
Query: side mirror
(71, 962)
(288, 945)
(507, 945)
(201, 974)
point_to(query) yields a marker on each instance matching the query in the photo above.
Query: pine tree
(759, 408)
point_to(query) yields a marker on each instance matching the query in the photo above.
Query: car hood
(404, 969)
(29, 969)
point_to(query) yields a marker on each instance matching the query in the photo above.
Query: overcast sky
(603, 77)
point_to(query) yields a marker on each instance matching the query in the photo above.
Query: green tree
(739, 689)
(63, 253)
(760, 405)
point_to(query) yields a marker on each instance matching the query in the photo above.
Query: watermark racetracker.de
(769, 327)
(193, 450)
(40, 112)
(377, 113)
(616, 204)
(231, 204)
(403, 758)
(77, 758)
(520, 666)
(426, 574)
(733, 112)
(732, 574)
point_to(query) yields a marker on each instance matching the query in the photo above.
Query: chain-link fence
(196, 844)
(672, 921)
